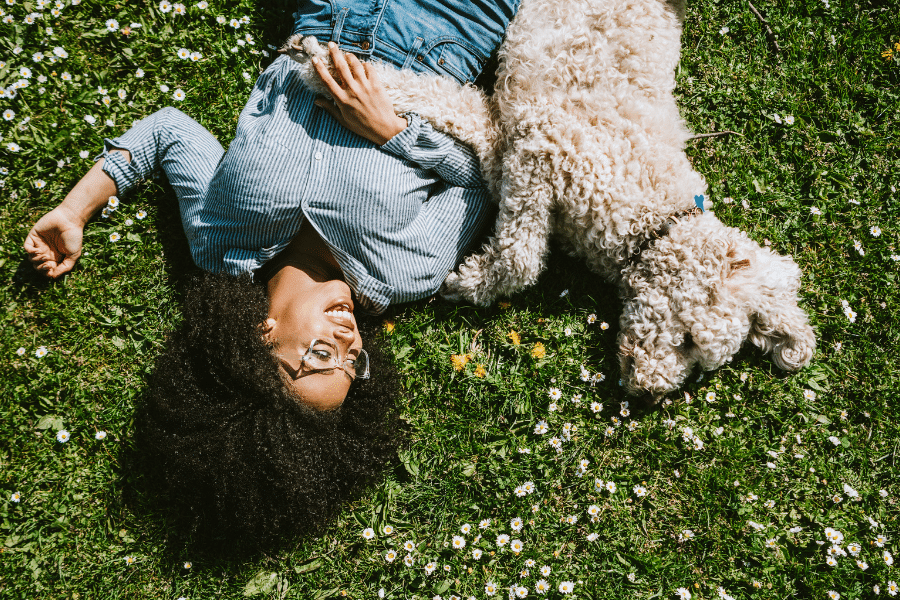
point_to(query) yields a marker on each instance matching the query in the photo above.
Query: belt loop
(339, 25)
(413, 53)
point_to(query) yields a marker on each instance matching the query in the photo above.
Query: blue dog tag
(698, 200)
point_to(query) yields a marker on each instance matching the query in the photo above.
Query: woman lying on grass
(265, 413)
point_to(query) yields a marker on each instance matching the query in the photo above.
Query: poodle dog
(582, 140)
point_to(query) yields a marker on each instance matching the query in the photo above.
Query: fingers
(333, 88)
(332, 110)
(340, 63)
(356, 66)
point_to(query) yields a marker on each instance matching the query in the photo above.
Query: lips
(341, 314)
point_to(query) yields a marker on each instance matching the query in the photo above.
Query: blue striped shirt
(397, 218)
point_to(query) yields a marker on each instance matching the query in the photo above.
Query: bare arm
(54, 242)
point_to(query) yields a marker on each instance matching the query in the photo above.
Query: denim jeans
(447, 37)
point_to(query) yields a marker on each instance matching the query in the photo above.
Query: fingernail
(331, 44)
(316, 60)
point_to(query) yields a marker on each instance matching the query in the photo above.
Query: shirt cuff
(403, 143)
(120, 170)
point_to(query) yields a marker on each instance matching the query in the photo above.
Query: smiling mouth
(341, 314)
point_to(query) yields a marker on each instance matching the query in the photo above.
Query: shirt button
(318, 155)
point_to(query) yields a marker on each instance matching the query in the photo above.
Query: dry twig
(770, 35)
(716, 134)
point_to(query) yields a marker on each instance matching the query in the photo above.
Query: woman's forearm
(92, 192)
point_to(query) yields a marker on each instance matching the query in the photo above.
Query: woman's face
(302, 310)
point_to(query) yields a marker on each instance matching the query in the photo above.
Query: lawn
(526, 473)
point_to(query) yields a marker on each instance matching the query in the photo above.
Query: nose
(345, 334)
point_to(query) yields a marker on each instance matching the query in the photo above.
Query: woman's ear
(266, 328)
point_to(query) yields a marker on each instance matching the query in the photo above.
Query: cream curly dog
(582, 140)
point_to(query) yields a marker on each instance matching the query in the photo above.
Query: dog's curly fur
(582, 139)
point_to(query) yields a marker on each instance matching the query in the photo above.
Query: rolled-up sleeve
(450, 159)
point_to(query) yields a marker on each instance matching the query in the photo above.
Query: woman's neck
(309, 253)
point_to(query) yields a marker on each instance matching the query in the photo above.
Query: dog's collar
(667, 225)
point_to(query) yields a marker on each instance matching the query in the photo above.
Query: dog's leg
(514, 257)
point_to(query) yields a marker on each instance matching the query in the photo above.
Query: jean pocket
(454, 57)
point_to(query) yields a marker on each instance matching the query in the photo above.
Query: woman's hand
(360, 102)
(54, 243)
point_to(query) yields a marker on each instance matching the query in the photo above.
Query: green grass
(81, 512)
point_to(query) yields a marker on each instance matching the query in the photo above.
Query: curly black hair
(244, 464)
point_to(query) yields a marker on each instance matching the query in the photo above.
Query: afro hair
(243, 464)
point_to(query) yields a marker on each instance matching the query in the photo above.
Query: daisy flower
(20, 351)
(888, 559)
(140, 214)
(390, 555)
(490, 588)
(516, 546)
(596, 407)
(129, 560)
(9, 115)
(516, 524)
(62, 436)
(408, 560)
(502, 539)
(15, 497)
(592, 537)
(476, 553)
(892, 588)
(604, 325)
(114, 236)
(591, 319)
(466, 528)
(112, 25)
(683, 593)
(459, 542)
(41, 352)
(566, 587)
(183, 53)
(368, 533)
(235, 23)
(541, 427)
(409, 545)
(484, 524)
(555, 394)
(611, 487)
(640, 491)
(541, 586)
(875, 230)
(40, 184)
(831, 561)
(165, 6)
(430, 567)
(178, 95)
(833, 595)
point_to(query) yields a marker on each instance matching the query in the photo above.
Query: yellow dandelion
(887, 54)
(388, 325)
(538, 351)
(459, 361)
(479, 371)
(514, 338)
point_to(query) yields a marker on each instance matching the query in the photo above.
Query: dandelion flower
(538, 351)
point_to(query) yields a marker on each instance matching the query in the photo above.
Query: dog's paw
(301, 48)
(452, 288)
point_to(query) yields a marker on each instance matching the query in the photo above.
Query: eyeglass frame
(341, 366)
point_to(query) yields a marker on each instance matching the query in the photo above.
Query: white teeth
(339, 313)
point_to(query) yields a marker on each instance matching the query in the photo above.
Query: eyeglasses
(323, 356)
